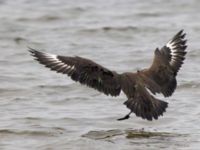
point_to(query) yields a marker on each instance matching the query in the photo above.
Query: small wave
(103, 134)
(127, 28)
(33, 118)
(191, 84)
(19, 40)
(110, 28)
(26, 132)
(121, 29)
(46, 119)
(67, 87)
(128, 133)
(10, 90)
(76, 9)
(56, 16)
(143, 14)
(195, 53)
(44, 18)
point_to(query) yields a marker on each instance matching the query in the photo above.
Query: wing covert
(82, 70)
(166, 64)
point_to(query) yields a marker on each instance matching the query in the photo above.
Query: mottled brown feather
(166, 64)
(82, 70)
(138, 87)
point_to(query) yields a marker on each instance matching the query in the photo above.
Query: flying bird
(139, 87)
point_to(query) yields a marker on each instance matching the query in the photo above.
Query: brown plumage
(139, 87)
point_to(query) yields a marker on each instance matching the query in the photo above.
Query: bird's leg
(125, 117)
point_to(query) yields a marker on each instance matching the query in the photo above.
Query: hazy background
(40, 109)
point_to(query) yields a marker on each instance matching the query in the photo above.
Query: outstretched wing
(166, 64)
(159, 78)
(82, 70)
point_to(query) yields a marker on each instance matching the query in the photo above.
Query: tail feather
(147, 109)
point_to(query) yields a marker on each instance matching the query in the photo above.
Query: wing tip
(36, 53)
(30, 49)
(181, 32)
(177, 46)
(33, 51)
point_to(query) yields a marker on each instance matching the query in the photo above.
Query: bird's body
(139, 87)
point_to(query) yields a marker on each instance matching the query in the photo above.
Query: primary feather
(139, 87)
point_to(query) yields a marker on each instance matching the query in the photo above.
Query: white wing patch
(54, 59)
(173, 50)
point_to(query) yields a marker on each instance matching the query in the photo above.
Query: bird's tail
(146, 108)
